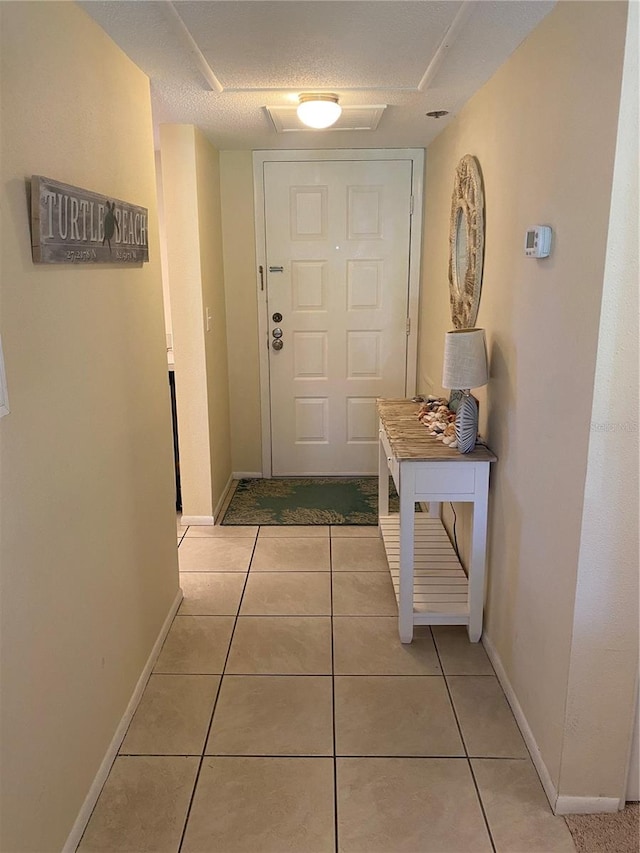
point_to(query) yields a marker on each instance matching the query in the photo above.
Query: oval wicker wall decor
(466, 243)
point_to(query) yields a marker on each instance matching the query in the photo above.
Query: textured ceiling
(352, 45)
(218, 65)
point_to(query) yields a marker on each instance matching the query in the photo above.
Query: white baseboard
(203, 520)
(247, 475)
(197, 519)
(223, 498)
(560, 805)
(101, 776)
(525, 729)
(587, 805)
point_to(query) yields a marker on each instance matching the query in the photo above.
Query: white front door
(337, 273)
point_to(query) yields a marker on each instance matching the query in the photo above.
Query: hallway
(284, 715)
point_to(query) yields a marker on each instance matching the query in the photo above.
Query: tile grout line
(323, 674)
(334, 755)
(333, 706)
(295, 755)
(203, 754)
(484, 814)
(331, 571)
(464, 744)
(215, 702)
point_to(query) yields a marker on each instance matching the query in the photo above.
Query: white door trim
(416, 155)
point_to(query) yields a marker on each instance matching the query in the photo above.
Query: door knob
(277, 344)
(277, 333)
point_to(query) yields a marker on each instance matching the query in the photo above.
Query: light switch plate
(4, 397)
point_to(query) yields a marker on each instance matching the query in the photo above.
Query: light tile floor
(284, 716)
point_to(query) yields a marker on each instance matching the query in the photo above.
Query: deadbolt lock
(277, 333)
(277, 317)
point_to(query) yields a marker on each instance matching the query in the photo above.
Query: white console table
(430, 584)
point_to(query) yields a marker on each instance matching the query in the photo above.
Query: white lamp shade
(319, 111)
(465, 359)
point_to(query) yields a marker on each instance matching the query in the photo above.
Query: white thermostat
(537, 241)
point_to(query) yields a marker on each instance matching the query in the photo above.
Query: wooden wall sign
(70, 225)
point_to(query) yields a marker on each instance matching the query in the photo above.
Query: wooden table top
(410, 439)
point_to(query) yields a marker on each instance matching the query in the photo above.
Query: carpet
(307, 500)
(606, 833)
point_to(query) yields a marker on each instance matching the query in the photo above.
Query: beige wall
(238, 230)
(190, 180)
(166, 295)
(87, 544)
(213, 297)
(604, 650)
(546, 155)
(180, 206)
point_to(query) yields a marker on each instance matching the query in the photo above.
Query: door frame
(416, 156)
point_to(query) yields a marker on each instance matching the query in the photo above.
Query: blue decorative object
(467, 423)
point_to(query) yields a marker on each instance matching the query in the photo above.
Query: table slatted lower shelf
(440, 585)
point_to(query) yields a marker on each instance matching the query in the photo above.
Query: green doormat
(307, 500)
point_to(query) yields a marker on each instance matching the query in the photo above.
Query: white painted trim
(263, 326)
(223, 498)
(587, 805)
(525, 729)
(4, 394)
(290, 154)
(446, 43)
(247, 475)
(415, 266)
(185, 520)
(417, 156)
(192, 46)
(560, 805)
(632, 792)
(112, 752)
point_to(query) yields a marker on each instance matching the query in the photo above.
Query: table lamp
(465, 367)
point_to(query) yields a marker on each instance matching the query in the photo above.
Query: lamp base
(467, 423)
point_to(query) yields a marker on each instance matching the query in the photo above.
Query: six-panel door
(337, 238)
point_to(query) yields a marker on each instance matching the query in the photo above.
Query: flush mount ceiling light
(319, 110)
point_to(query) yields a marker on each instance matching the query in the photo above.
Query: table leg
(405, 573)
(434, 509)
(477, 563)
(383, 482)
